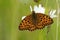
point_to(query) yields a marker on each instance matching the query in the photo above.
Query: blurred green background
(11, 12)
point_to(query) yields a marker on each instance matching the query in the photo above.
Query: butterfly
(35, 21)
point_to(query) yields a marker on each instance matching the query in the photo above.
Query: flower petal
(31, 8)
(39, 9)
(50, 12)
(23, 17)
(53, 12)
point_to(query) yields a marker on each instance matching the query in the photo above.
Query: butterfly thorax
(34, 18)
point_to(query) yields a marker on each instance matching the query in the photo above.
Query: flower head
(38, 9)
(52, 13)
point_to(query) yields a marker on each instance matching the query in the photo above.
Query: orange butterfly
(35, 21)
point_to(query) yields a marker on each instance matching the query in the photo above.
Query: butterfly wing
(43, 20)
(27, 24)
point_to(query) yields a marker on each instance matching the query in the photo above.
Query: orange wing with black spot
(27, 24)
(42, 20)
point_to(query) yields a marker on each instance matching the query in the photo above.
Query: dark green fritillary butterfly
(35, 21)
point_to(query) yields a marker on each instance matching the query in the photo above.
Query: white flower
(23, 17)
(52, 13)
(38, 9)
(31, 8)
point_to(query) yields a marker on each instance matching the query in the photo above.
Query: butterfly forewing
(27, 24)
